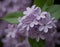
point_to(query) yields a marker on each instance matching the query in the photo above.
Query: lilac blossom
(11, 31)
(16, 42)
(29, 20)
(31, 10)
(23, 35)
(46, 23)
(16, 38)
(36, 22)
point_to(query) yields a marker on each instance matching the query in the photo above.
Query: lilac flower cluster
(34, 24)
(37, 22)
(14, 38)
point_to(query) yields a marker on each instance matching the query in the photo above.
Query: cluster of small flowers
(14, 38)
(34, 24)
(37, 23)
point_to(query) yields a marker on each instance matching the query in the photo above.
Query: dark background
(57, 2)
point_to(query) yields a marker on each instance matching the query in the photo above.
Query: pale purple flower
(11, 31)
(30, 19)
(46, 23)
(31, 10)
(42, 15)
(22, 36)
(16, 39)
(34, 33)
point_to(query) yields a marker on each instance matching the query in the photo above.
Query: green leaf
(55, 11)
(44, 4)
(11, 20)
(33, 43)
(47, 4)
(56, 14)
(39, 3)
(13, 17)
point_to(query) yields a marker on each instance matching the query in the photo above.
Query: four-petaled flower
(46, 23)
(11, 31)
